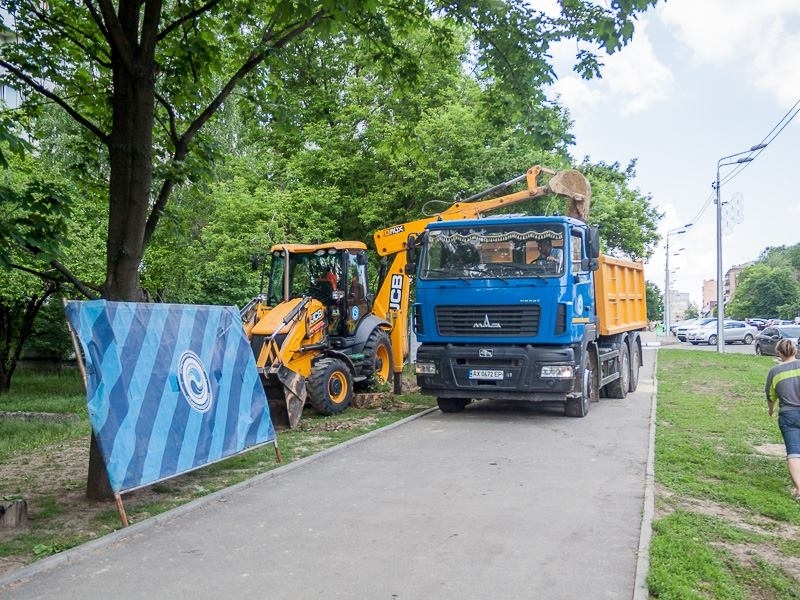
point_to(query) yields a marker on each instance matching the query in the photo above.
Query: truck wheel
(451, 405)
(579, 407)
(377, 361)
(330, 386)
(619, 387)
(636, 361)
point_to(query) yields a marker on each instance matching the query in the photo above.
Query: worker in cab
(549, 258)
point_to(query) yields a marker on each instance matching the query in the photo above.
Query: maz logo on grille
(487, 324)
(486, 353)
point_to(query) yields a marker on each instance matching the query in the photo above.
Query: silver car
(734, 331)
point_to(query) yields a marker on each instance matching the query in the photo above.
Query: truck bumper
(501, 373)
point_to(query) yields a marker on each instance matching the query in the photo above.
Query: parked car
(734, 331)
(757, 323)
(767, 339)
(774, 322)
(681, 330)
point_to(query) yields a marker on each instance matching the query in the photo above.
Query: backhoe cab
(313, 334)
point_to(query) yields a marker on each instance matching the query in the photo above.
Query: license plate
(486, 374)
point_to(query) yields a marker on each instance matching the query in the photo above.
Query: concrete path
(501, 501)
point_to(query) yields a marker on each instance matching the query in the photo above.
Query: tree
(144, 77)
(765, 290)
(655, 302)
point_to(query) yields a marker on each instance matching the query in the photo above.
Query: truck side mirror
(590, 264)
(593, 243)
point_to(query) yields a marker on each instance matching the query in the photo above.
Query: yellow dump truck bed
(620, 295)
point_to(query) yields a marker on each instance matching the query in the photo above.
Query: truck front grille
(488, 321)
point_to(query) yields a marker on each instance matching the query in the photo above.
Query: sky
(700, 81)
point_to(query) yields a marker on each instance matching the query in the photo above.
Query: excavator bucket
(576, 187)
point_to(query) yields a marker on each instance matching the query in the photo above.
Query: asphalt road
(501, 501)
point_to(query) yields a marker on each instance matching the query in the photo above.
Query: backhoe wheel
(377, 361)
(330, 386)
(452, 405)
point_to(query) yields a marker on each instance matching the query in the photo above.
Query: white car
(685, 326)
(734, 331)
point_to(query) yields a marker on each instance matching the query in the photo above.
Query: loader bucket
(576, 187)
(287, 400)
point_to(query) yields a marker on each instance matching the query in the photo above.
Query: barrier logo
(194, 382)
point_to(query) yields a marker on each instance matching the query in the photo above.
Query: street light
(676, 231)
(720, 300)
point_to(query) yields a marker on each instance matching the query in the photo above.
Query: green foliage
(766, 290)
(691, 311)
(655, 302)
(147, 104)
(33, 214)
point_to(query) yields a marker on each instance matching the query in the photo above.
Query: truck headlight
(426, 368)
(557, 372)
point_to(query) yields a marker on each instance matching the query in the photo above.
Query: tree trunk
(131, 175)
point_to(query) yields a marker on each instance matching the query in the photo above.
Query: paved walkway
(501, 501)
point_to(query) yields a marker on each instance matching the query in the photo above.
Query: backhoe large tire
(330, 386)
(377, 361)
(619, 387)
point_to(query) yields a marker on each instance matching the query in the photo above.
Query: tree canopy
(770, 287)
(144, 78)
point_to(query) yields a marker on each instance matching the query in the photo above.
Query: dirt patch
(771, 449)
(749, 555)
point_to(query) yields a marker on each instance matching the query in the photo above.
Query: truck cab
(506, 309)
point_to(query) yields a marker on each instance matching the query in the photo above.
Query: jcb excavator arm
(392, 298)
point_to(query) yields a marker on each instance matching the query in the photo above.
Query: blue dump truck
(515, 307)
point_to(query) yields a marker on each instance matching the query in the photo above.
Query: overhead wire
(765, 142)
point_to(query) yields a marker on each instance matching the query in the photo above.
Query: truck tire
(330, 386)
(377, 366)
(451, 405)
(619, 387)
(636, 361)
(579, 407)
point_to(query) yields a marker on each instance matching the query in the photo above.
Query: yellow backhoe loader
(319, 335)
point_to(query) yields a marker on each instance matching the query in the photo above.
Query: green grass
(46, 416)
(726, 526)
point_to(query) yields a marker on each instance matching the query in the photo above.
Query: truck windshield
(490, 251)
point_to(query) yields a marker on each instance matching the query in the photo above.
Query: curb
(67, 556)
(640, 589)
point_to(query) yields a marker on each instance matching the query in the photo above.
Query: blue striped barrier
(170, 387)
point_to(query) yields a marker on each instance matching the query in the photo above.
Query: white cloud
(633, 79)
(760, 39)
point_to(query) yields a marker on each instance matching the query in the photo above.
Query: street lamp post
(720, 300)
(677, 231)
